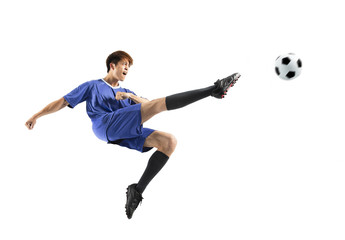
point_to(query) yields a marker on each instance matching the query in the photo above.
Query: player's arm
(131, 96)
(137, 99)
(50, 108)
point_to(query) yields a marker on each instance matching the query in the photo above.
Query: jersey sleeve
(79, 94)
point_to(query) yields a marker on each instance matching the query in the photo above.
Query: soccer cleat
(223, 85)
(133, 200)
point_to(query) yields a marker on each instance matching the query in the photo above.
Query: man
(118, 115)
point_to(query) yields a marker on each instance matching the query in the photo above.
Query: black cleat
(133, 200)
(223, 85)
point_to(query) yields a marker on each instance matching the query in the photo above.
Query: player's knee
(170, 143)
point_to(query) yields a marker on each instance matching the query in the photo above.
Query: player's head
(116, 57)
(118, 64)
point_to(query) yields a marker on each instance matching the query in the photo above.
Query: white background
(267, 162)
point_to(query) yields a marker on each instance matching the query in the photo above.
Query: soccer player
(118, 114)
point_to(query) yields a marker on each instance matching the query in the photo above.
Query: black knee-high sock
(183, 99)
(155, 164)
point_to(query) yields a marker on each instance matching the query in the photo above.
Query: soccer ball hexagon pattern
(288, 66)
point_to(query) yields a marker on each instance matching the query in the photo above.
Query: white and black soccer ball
(288, 66)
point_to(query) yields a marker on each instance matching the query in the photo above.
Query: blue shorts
(125, 129)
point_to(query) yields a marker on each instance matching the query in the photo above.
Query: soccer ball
(288, 66)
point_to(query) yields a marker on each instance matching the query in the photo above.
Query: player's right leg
(218, 90)
(165, 144)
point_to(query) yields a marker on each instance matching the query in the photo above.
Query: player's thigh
(151, 108)
(159, 139)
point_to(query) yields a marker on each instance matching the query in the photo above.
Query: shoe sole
(237, 76)
(127, 210)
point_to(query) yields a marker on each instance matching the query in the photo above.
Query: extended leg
(149, 109)
(218, 90)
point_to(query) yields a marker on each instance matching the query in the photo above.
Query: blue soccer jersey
(101, 104)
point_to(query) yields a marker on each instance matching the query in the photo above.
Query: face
(120, 69)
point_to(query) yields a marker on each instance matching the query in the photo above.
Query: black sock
(155, 164)
(183, 99)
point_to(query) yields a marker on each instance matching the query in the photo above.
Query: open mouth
(124, 73)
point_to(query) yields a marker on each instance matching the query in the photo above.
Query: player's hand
(30, 123)
(122, 95)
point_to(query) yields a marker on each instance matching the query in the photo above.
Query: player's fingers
(29, 125)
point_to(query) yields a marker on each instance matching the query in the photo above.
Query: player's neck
(112, 81)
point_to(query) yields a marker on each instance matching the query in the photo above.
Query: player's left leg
(149, 109)
(218, 90)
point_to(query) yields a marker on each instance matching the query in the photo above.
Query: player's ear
(112, 66)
